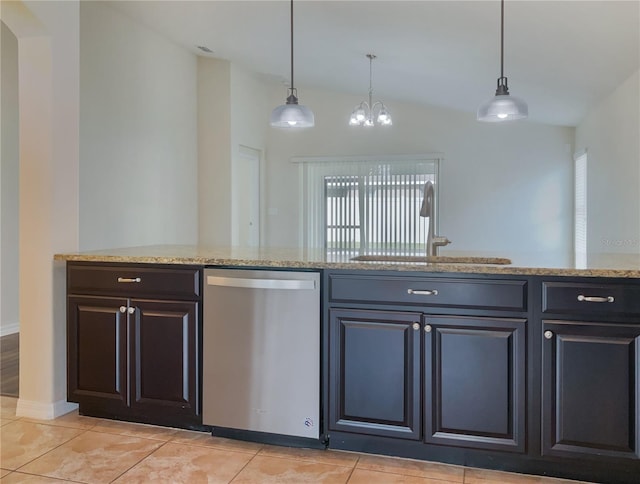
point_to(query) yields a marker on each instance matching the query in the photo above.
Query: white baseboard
(9, 328)
(43, 411)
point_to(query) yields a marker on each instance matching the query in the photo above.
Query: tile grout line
(84, 431)
(353, 469)
(45, 476)
(145, 457)
(245, 466)
(214, 447)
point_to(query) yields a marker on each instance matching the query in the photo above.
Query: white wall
(138, 134)
(610, 134)
(504, 187)
(9, 176)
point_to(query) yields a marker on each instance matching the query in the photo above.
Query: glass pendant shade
(384, 117)
(503, 107)
(292, 115)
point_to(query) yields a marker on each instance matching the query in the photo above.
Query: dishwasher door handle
(261, 283)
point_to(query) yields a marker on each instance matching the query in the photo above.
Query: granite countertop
(600, 265)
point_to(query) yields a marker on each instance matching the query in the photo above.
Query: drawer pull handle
(423, 292)
(596, 299)
(129, 279)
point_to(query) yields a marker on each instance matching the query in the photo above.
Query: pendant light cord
(292, 44)
(501, 38)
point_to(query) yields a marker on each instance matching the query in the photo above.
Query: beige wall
(610, 134)
(249, 128)
(138, 134)
(214, 151)
(232, 104)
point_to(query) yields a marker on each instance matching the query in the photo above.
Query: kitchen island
(518, 367)
(601, 265)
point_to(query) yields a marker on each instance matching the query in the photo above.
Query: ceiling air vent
(205, 49)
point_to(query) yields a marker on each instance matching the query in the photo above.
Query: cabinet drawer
(498, 294)
(134, 281)
(590, 298)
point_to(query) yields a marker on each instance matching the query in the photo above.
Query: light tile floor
(74, 448)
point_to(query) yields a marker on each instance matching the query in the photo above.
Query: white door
(246, 198)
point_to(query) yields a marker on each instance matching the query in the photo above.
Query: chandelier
(365, 112)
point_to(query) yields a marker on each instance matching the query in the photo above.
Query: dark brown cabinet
(405, 372)
(134, 358)
(475, 382)
(163, 356)
(375, 373)
(591, 389)
(97, 350)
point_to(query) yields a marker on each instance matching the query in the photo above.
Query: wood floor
(9, 364)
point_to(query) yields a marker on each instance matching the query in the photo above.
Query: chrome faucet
(428, 210)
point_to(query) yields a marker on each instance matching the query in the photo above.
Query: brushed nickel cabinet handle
(423, 292)
(131, 310)
(129, 279)
(596, 299)
(416, 326)
(548, 335)
(123, 309)
(427, 328)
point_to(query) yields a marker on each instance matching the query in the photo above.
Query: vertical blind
(367, 207)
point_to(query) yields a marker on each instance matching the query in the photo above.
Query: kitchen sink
(438, 259)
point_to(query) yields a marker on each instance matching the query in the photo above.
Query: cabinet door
(475, 382)
(164, 356)
(590, 386)
(374, 374)
(97, 351)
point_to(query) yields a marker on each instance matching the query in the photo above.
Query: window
(366, 206)
(580, 211)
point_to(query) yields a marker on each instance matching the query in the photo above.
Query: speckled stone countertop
(601, 265)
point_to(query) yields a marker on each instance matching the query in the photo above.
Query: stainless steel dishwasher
(261, 353)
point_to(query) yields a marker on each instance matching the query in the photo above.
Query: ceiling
(560, 56)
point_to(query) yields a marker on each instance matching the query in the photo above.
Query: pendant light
(291, 114)
(363, 113)
(503, 106)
